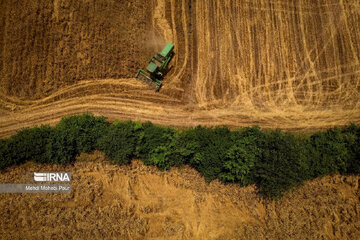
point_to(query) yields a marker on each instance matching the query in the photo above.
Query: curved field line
(256, 63)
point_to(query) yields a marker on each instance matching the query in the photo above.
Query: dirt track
(140, 202)
(288, 64)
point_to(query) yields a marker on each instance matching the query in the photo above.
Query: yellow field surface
(287, 64)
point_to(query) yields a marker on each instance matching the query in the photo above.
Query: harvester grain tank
(157, 68)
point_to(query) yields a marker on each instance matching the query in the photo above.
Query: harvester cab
(157, 68)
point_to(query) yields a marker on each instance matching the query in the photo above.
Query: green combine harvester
(157, 68)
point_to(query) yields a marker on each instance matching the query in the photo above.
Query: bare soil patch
(141, 202)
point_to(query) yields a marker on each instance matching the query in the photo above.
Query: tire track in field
(166, 112)
(237, 63)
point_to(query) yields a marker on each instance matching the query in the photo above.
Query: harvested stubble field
(288, 64)
(141, 202)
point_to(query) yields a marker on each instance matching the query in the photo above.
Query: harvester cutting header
(157, 68)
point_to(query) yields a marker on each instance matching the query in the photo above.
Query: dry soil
(141, 202)
(288, 64)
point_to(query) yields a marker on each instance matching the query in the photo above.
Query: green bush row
(275, 161)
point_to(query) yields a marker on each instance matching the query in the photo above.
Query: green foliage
(274, 161)
(327, 152)
(74, 134)
(205, 149)
(351, 137)
(156, 145)
(61, 148)
(242, 156)
(119, 142)
(282, 166)
(27, 144)
(6, 154)
(84, 130)
(32, 143)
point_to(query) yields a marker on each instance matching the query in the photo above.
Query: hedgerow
(243, 156)
(275, 161)
(119, 141)
(156, 144)
(283, 164)
(27, 144)
(73, 135)
(205, 149)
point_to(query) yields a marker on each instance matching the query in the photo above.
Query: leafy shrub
(242, 157)
(84, 130)
(205, 149)
(283, 164)
(156, 145)
(119, 142)
(27, 144)
(32, 143)
(6, 152)
(327, 152)
(351, 137)
(74, 134)
(61, 148)
(274, 160)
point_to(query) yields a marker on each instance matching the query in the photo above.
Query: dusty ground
(141, 202)
(288, 64)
